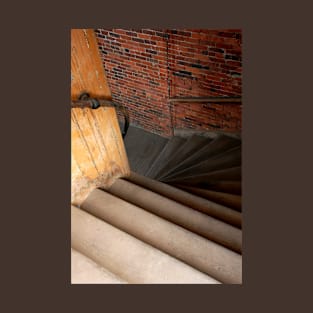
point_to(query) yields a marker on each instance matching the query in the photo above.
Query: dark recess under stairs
(183, 199)
(213, 163)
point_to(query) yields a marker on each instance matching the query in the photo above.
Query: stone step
(225, 160)
(201, 204)
(217, 146)
(162, 159)
(177, 213)
(228, 186)
(231, 201)
(131, 259)
(232, 173)
(142, 148)
(86, 271)
(205, 255)
(192, 145)
(205, 133)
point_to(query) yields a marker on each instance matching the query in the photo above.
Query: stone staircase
(176, 219)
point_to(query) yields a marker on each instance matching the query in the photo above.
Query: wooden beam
(87, 72)
(98, 152)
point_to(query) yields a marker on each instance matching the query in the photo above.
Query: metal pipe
(207, 99)
(92, 103)
(89, 103)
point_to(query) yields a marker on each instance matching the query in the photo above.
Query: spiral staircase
(176, 219)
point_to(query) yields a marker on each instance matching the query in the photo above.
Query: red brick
(152, 68)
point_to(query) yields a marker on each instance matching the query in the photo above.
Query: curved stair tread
(228, 186)
(192, 145)
(86, 271)
(201, 204)
(171, 147)
(218, 145)
(154, 166)
(230, 200)
(142, 148)
(228, 159)
(205, 255)
(205, 133)
(128, 257)
(232, 173)
(180, 214)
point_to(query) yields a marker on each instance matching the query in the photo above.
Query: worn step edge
(85, 271)
(193, 144)
(128, 257)
(207, 256)
(206, 206)
(232, 173)
(231, 158)
(153, 169)
(228, 186)
(183, 132)
(172, 145)
(230, 200)
(175, 212)
(142, 147)
(191, 159)
(218, 145)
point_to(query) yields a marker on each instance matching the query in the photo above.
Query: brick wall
(146, 67)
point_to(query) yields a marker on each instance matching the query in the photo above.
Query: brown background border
(277, 162)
